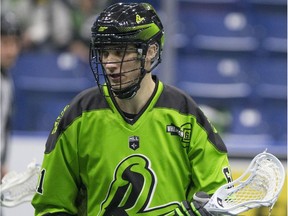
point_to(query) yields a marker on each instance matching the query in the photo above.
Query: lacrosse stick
(260, 185)
(17, 188)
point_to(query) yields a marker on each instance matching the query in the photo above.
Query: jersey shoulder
(175, 98)
(87, 100)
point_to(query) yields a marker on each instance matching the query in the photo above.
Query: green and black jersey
(103, 164)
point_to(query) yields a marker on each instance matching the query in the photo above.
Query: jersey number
(40, 185)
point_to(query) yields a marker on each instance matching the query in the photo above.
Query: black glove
(194, 208)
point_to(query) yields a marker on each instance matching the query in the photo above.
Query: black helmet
(120, 25)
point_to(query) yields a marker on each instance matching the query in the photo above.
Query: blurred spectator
(10, 49)
(33, 16)
(71, 23)
(57, 25)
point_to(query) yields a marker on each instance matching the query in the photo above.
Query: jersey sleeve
(59, 180)
(206, 152)
(208, 156)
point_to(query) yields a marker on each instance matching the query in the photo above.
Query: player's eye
(103, 53)
(120, 53)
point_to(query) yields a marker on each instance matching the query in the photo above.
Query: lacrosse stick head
(17, 188)
(260, 185)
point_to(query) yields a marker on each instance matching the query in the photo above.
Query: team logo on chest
(134, 142)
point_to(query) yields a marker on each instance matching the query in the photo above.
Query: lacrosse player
(134, 145)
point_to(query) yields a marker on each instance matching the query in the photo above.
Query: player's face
(121, 64)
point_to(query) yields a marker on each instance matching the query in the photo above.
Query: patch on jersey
(56, 123)
(184, 131)
(134, 142)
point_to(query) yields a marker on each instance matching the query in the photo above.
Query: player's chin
(119, 87)
(119, 84)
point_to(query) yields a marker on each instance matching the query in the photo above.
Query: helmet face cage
(97, 65)
(125, 28)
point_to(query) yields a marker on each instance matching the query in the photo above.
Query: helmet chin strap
(128, 92)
